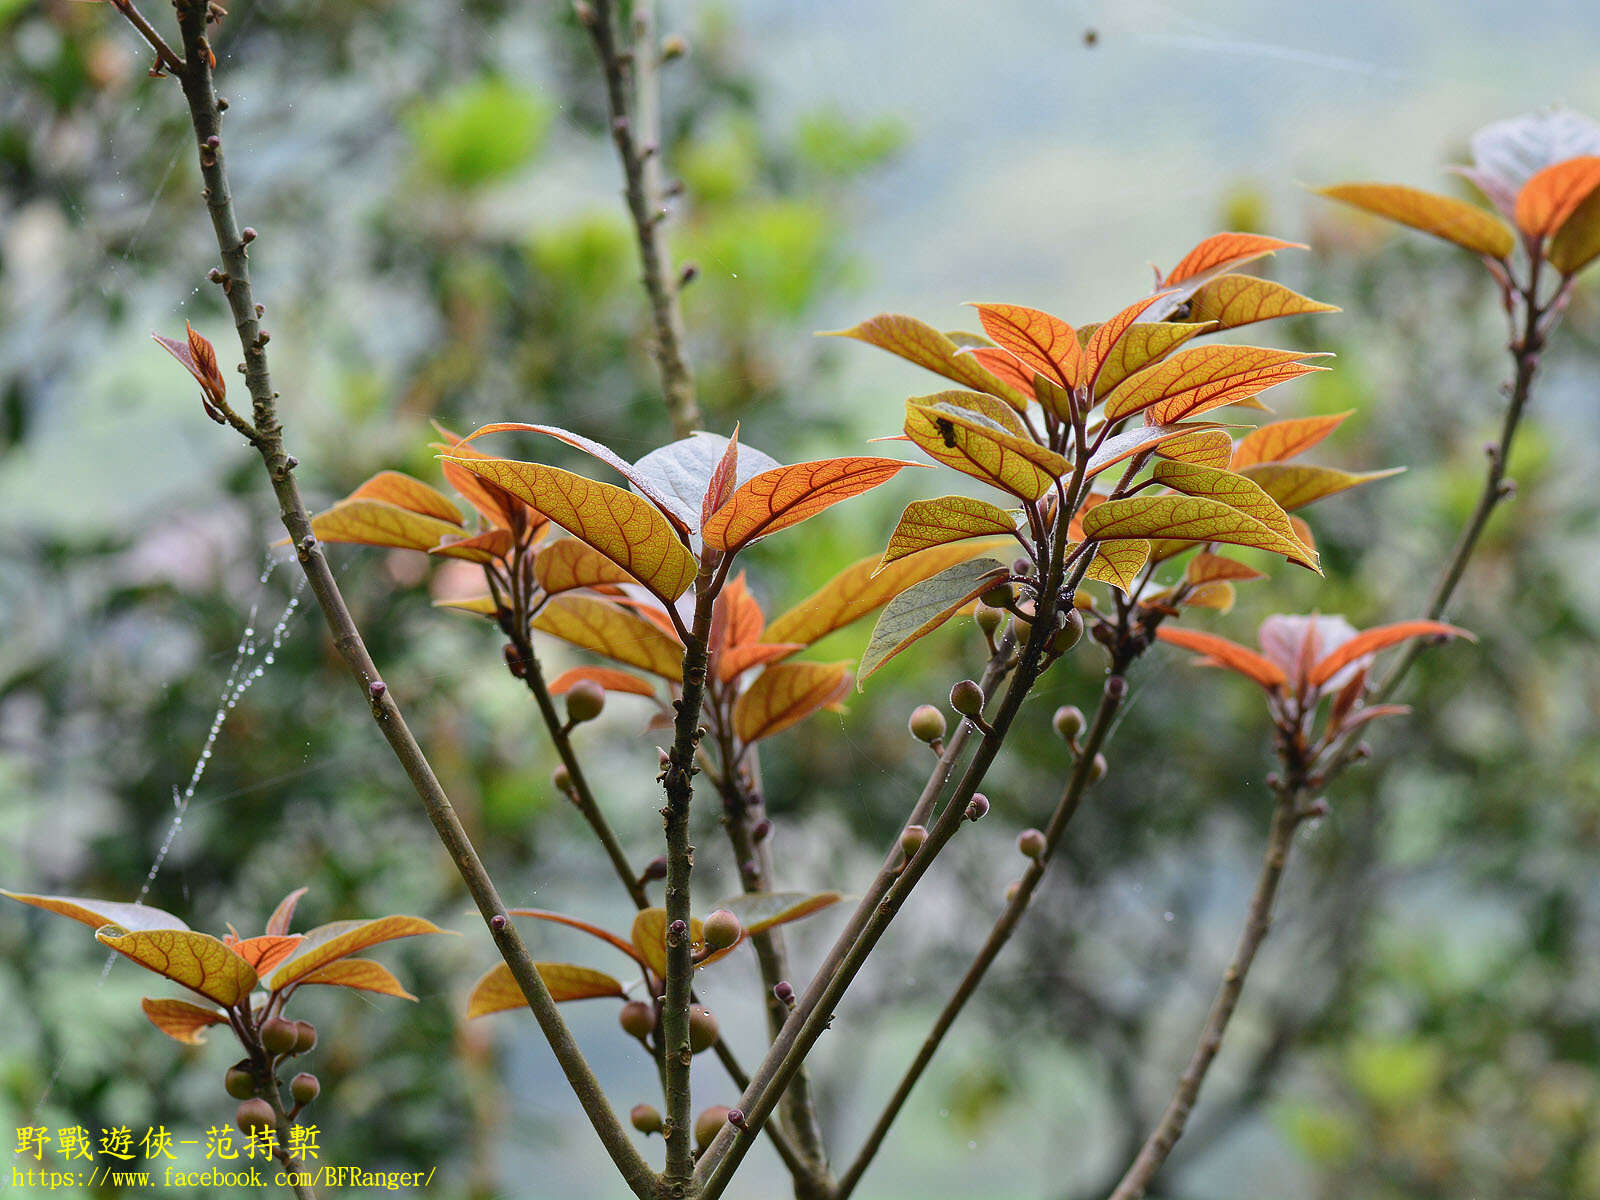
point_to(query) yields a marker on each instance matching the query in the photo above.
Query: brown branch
(636, 131)
(205, 116)
(166, 57)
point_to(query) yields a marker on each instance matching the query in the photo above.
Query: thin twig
(165, 55)
(205, 116)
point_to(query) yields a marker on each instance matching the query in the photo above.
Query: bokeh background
(441, 238)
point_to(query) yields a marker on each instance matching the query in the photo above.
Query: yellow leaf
(1145, 438)
(403, 491)
(498, 991)
(198, 961)
(1211, 595)
(928, 523)
(1201, 378)
(1454, 220)
(777, 499)
(924, 345)
(1139, 347)
(328, 943)
(1577, 242)
(1190, 519)
(379, 523)
(180, 1020)
(1208, 447)
(480, 548)
(761, 911)
(568, 564)
(1119, 561)
(1297, 486)
(611, 680)
(612, 631)
(1230, 301)
(363, 974)
(649, 937)
(631, 532)
(1283, 439)
(953, 435)
(1106, 338)
(1236, 491)
(785, 694)
(482, 606)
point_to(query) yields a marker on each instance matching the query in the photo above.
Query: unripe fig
(988, 619)
(304, 1087)
(239, 1082)
(1022, 626)
(1067, 636)
(722, 929)
(911, 839)
(1068, 721)
(279, 1036)
(254, 1114)
(967, 698)
(703, 1031)
(977, 807)
(709, 1123)
(998, 596)
(645, 1118)
(305, 1037)
(586, 701)
(927, 723)
(1031, 843)
(637, 1019)
(561, 778)
(1098, 768)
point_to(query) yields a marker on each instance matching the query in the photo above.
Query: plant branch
(205, 116)
(636, 131)
(165, 55)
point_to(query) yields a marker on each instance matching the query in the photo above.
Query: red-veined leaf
(1295, 486)
(952, 434)
(924, 345)
(403, 491)
(605, 935)
(1230, 301)
(340, 939)
(197, 961)
(1220, 652)
(96, 913)
(682, 472)
(480, 548)
(1373, 640)
(720, 488)
(1283, 440)
(785, 694)
(278, 922)
(1189, 518)
(569, 564)
(1216, 568)
(609, 678)
(265, 952)
(1118, 562)
(1201, 378)
(612, 631)
(1467, 225)
(928, 523)
(919, 610)
(1005, 367)
(735, 661)
(180, 1020)
(1206, 447)
(1554, 194)
(379, 523)
(1136, 441)
(1041, 342)
(1104, 340)
(1222, 252)
(361, 974)
(491, 502)
(736, 618)
(1236, 491)
(1143, 344)
(498, 991)
(775, 500)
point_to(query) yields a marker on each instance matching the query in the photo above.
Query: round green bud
(998, 596)
(927, 723)
(1067, 636)
(1098, 768)
(305, 1037)
(722, 929)
(709, 1123)
(645, 1118)
(1031, 843)
(254, 1114)
(703, 1032)
(279, 1036)
(967, 698)
(305, 1087)
(1068, 721)
(561, 778)
(586, 701)
(637, 1019)
(911, 839)
(239, 1082)
(988, 619)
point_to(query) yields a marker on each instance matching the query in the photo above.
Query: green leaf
(1192, 519)
(919, 610)
(928, 523)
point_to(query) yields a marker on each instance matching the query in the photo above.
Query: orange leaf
(609, 678)
(862, 587)
(924, 345)
(1297, 486)
(278, 922)
(379, 523)
(328, 943)
(1201, 378)
(719, 489)
(629, 531)
(1224, 251)
(1106, 337)
(483, 606)
(403, 491)
(736, 661)
(1373, 640)
(568, 564)
(954, 434)
(1577, 243)
(1140, 346)
(1221, 652)
(605, 935)
(180, 1020)
(612, 631)
(1207, 447)
(498, 991)
(737, 619)
(650, 937)
(1189, 518)
(198, 961)
(1456, 221)
(1041, 342)
(1552, 195)
(1230, 301)
(1211, 595)
(483, 547)
(1137, 441)
(264, 953)
(1216, 568)
(761, 911)
(362, 974)
(785, 694)
(775, 500)
(95, 913)
(928, 523)
(1284, 439)
(1003, 365)
(493, 503)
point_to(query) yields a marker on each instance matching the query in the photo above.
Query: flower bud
(239, 1082)
(722, 929)
(1098, 768)
(637, 1018)
(967, 698)
(305, 1037)
(279, 1036)
(646, 1119)
(1031, 843)
(927, 723)
(911, 839)
(1066, 637)
(655, 869)
(703, 1032)
(988, 619)
(977, 807)
(998, 596)
(304, 1087)
(585, 702)
(709, 1123)
(254, 1114)
(1068, 722)
(784, 991)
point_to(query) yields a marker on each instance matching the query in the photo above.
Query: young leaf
(1041, 342)
(952, 435)
(498, 991)
(1119, 561)
(379, 523)
(1104, 341)
(607, 677)
(278, 922)
(1223, 252)
(682, 472)
(775, 500)
(328, 943)
(862, 587)
(1236, 491)
(264, 953)
(614, 632)
(361, 974)
(1284, 440)
(927, 347)
(491, 502)
(736, 660)
(96, 913)
(720, 487)
(785, 694)
(650, 938)
(1201, 378)
(1577, 243)
(1206, 447)
(1146, 437)
(1189, 518)
(1454, 220)
(485, 547)
(1297, 486)
(1554, 194)
(927, 523)
(197, 961)
(1220, 652)
(629, 531)
(605, 935)
(401, 490)
(761, 911)
(569, 564)
(736, 619)
(180, 1020)
(1216, 568)
(1140, 346)
(919, 610)
(1373, 640)
(1230, 301)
